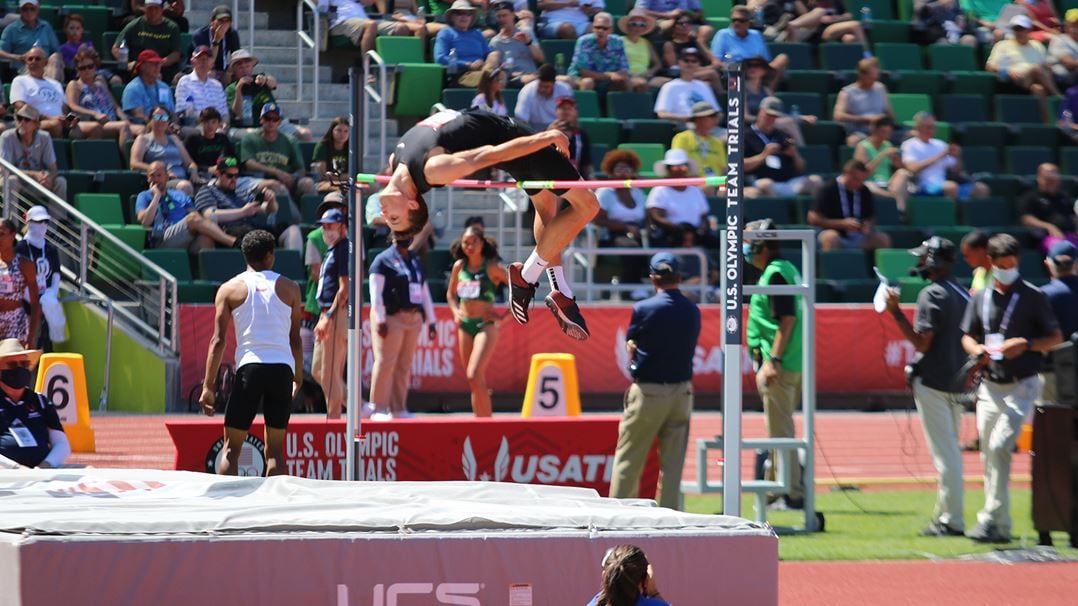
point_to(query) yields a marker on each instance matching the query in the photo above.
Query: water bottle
(121, 55)
(760, 16)
(186, 117)
(559, 63)
(1004, 62)
(866, 15)
(795, 113)
(248, 110)
(452, 68)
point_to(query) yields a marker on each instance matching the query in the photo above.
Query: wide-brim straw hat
(637, 14)
(10, 348)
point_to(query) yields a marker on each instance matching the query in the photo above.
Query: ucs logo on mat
(252, 460)
(461, 594)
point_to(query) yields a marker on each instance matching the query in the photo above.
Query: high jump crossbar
(714, 181)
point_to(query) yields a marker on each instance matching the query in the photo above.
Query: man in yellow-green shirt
(703, 147)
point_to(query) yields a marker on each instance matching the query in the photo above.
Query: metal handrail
(166, 335)
(580, 254)
(313, 44)
(377, 95)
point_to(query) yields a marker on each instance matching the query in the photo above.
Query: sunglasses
(83, 68)
(638, 24)
(600, 27)
(160, 118)
(271, 118)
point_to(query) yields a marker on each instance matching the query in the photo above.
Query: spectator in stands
(886, 178)
(1063, 52)
(46, 259)
(985, 14)
(331, 153)
(238, 211)
(826, 21)
(628, 579)
(942, 21)
(683, 40)
(351, 20)
(536, 101)
(862, 101)
(677, 96)
(30, 150)
(671, 207)
(152, 31)
(248, 92)
(772, 162)
(89, 98)
(159, 143)
(1023, 61)
(704, 149)
(517, 48)
(599, 60)
(974, 249)
(47, 97)
(567, 18)
(222, 39)
(209, 144)
(19, 277)
(402, 19)
(489, 92)
(565, 120)
(74, 28)
(739, 42)
(274, 155)
(845, 213)
(1043, 16)
(47, 445)
(462, 48)
(757, 74)
(622, 216)
(146, 92)
(173, 9)
(1068, 111)
(644, 62)
(935, 165)
(198, 90)
(1048, 209)
(31, 32)
(668, 12)
(171, 218)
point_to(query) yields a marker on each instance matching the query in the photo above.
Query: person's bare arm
(916, 167)
(222, 319)
(29, 274)
(815, 219)
(295, 342)
(754, 162)
(446, 168)
(146, 216)
(658, 217)
(137, 151)
(1032, 221)
(921, 340)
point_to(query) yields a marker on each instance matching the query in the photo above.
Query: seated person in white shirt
(199, 89)
(567, 19)
(929, 159)
(47, 97)
(670, 208)
(677, 97)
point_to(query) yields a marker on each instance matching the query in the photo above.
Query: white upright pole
(354, 370)
(732, 266)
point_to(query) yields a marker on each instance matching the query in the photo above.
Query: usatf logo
(731, 325)
(501, 462)
(252, 458)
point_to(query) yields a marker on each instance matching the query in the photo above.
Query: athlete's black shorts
(546, 164)
(267, 384)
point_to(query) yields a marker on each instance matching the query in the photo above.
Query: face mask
(1005, 277)
(36, 232)
(15, 378)
(746, 250)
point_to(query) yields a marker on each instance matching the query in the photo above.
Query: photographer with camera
(238, 211)
(248, 92)
(772, 162)
(936, 336)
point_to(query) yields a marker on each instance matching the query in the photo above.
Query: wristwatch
(775, 359)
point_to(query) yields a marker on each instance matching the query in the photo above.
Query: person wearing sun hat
(46, 259)
(706, 150)
(31, 434)
(671, 207)
(644, 62)
(1022, 61)
(462, 48)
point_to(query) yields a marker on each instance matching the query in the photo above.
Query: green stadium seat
(1031, 268)
(1068, 160)
(649, 154)
(858, 291)
(289, 263)
(1037, 135)
(308, 208)
(925, 211)
(889, 31)
(909, 288)
(827, 291)
(103, 209)
(553, 47)
(987, 212)
(220, 265)
(1007, 186)
(651, 131)
(629, 106)
(95, 18)
(819, 159)
(840, 57)
(598, 152)
(779, 210)
(818, 81)
(895, 263)
(845, 154)
(96, 154)
(1018, 109)
(960, 109)
(986, 134)
(111, 264)
(798, 53)
(952, 58)
(881, 9)
(973, 83)
(1025, 160)
(510, 95)
(175, 261)
(711, 8)
(843, 265)
(922, 82)
(808, 104)
(458, 98)
(824, 132)
(62, 149)
(78, 181)
(125, 183)
(903, 236)
(906, 105)
(587, 103)
(898, 56)
(423, 81)
(400, 49)
(604, 131)
(887, 212)
(976, 159)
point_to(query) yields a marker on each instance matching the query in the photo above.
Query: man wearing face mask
(773, 335)
(30, 431)
(1009, 326)
(331, 332)
(938, 341)
(46, 259)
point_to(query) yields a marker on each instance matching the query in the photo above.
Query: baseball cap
(1063, 248)
(664, 264)
(566, 99)
(29, 112)
(1021, 21)
(37, 213)
(689, 51)
(25, 2)
(333, 215)
(702, 109)
(241, 54)
(333, 199)
(270, 108)
(220, 11)
(201, 49)
(147, 56)
(503, 6)
(943, 248)
(226, 162)
(773, 106)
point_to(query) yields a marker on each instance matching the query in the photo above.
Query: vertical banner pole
(354, 369)
(732, 294)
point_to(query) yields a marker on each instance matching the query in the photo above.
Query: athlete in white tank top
(262, 322)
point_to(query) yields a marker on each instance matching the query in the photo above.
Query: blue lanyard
(986, 307)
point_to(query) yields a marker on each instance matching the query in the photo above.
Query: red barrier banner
(571, 451)
(857, 351)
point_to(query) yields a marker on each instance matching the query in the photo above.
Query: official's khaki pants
(940, 417)
(328, 360)
(653, 410)
(781, 399)
(1001, 410)
(392, 374)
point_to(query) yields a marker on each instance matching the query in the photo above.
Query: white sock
(533, 267)
(556, 275)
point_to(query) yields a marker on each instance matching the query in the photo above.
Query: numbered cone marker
(552, 390)
(61, 377)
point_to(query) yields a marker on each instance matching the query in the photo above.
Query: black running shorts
(268, 385)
